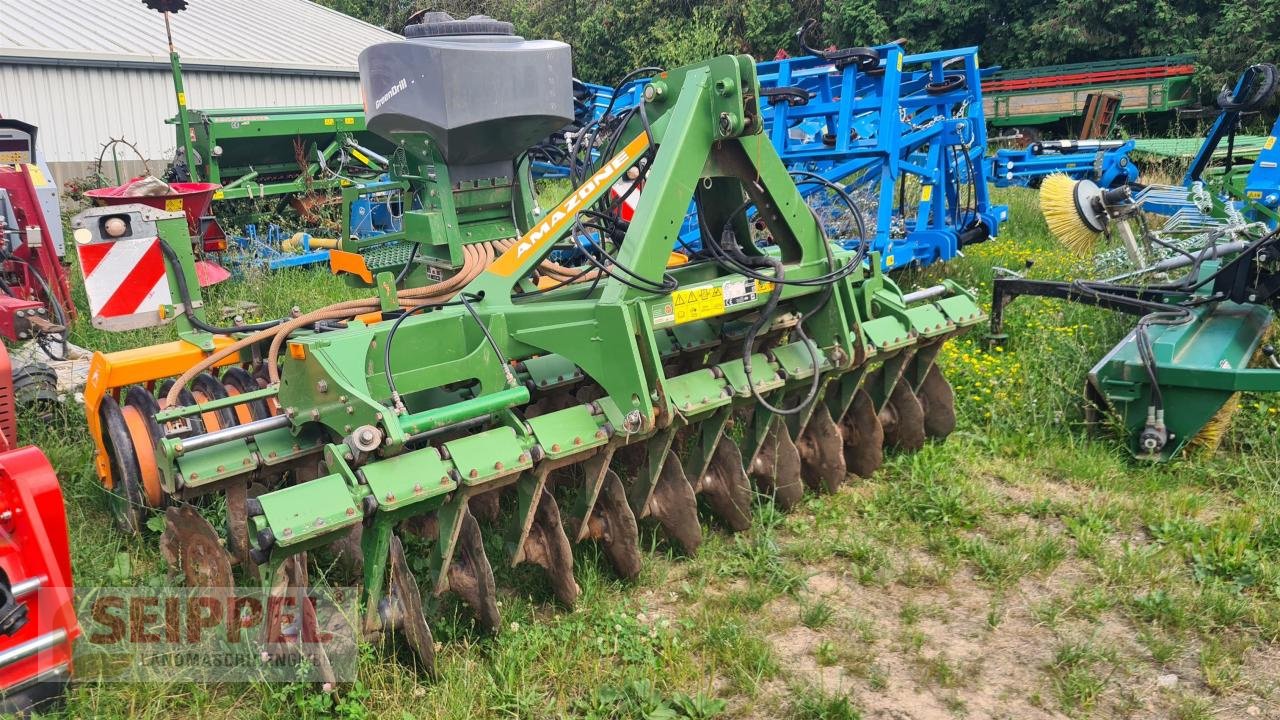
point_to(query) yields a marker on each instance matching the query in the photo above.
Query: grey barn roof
(248, 35)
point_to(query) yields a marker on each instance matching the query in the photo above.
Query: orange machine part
(341, 261)
(110, 372)
(243, 415)
(140, 435)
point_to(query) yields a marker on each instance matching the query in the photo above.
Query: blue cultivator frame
(601, 99)
(903, 135)
(1219, 187)
(909, 126)
(263, 250)
(1105, 162)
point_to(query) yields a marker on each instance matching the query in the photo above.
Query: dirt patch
(966, 649)
(934, 654)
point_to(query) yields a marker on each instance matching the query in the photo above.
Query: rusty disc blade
(290, 624)
(725, 486)
(471, 575)
(190, 544)
(550, 403)
(776, 468)
(675, 507)
(486, 506)
(548, 547)
(863, 436)
(938, 402)
(238, 523)
(614, 525)
(401, 609)
(903, 420)
(821, 455)
(348, 551)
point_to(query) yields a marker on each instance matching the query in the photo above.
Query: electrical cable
(184, 293)
(58, 311)
(732, 257)
(408, 265)
(811, 177)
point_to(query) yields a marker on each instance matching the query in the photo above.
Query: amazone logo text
(582, 195)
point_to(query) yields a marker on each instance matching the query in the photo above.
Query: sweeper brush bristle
(1058, 203)
(1206, 441)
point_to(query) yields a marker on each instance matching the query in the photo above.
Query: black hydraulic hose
(502, 359)
(1214, 275)
(1147, 353)
(404, 271)
(732, 257)
(464, 299)
(652, 69)
(810, 177)
(1161, 314)
(766, 316)
(184, 293)
(668, 285)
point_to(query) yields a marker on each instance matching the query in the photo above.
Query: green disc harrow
(635, 393)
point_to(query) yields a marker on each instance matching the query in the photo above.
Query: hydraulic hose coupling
(1269, 351)
(1155, 435)
(1111, 198)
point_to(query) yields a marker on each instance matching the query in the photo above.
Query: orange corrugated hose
(475, 259)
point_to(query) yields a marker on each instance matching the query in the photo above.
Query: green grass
(1179, 563)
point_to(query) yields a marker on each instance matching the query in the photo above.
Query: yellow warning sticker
(707, 301)
(926, 192)
(698, 303)
(219, 195)
(330, 121)
(1270, 143)
(37, 176)
(349, 121)
(173, 204)
(12, 158)
(182, 99)
(1254, 194)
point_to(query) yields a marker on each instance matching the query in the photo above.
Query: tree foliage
(612, 37)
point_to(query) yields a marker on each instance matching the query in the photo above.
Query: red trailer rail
(1049, 94)
(1088, 78)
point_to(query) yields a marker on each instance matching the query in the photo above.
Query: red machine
(35, 297)
(191, 198)
(37, 612)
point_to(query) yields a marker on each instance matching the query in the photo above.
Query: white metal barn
(84, 71)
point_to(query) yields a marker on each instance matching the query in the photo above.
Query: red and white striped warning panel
(125, 281)
(628, 209)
